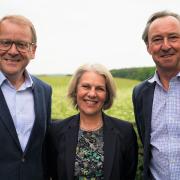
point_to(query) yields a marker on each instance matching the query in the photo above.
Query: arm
(46, 153)
(52, 153)
(134, 100)
(131, 157)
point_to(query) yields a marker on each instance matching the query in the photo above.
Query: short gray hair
(154, 17)
(19, 19)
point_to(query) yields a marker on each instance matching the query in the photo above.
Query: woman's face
(91, 93)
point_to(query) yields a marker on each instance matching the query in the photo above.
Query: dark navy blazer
(30, 164)
(120, 148)
(143, 99)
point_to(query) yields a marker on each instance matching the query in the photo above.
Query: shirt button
(23, 159)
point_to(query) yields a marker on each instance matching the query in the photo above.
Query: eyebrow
(86, 83)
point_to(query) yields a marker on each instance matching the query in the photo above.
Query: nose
(166, 44)
(92, 92)
(13, 50)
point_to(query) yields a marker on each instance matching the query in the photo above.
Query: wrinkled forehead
(15, 30)
(165, 21)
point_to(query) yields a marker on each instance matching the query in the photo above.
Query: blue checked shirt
(165, 130)
(21, 106)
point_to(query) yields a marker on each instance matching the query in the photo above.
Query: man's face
(12, 61)
(164, 43)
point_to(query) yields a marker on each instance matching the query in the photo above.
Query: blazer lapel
(7, 119)
(109, 146)
(70, 146)
(148, 95)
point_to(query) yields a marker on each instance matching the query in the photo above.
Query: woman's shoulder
(121, 127)
(59, 126)
(118, 122)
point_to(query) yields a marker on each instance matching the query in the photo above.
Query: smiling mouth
(167, 55)
(12, 60)
(91, 102)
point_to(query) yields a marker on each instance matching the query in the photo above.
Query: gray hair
(155, 16)
(18, 19)
(100, 69)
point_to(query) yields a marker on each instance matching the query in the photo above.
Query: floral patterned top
(89, 155)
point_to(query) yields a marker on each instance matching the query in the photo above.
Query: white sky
(73, 32)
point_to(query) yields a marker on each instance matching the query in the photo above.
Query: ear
(148, 48)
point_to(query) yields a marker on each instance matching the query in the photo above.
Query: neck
(90, 123)
(165, 77)
(16, 81)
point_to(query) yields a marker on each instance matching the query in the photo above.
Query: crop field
(62, 107)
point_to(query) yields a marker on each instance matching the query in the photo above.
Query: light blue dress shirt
(165, 130)
(21, 106)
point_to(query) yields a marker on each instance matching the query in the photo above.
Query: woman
(92, 145)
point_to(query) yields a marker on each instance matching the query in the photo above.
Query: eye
(102, 89)
(85, 86)
(5, 43)
(22, 45)
(157, 40)
(173, 38)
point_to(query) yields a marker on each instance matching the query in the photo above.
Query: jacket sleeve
(135, 102)
(52, 153)
(131, 157)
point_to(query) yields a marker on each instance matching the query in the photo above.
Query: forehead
(165, 24)
(92, 77)
(15, 30)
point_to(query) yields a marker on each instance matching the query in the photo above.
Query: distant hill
(140, 73)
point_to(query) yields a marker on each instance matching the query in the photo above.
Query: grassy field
(62, 108)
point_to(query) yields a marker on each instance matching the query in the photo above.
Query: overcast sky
(73, 32)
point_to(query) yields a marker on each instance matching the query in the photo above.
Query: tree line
(139, 73)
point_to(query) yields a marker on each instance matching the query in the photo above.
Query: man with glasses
(25, 104)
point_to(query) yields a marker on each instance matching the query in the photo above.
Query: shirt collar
(28, 80)
(2, 78)
(155, 78)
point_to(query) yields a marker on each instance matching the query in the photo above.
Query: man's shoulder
(39, 82)
(141, 86)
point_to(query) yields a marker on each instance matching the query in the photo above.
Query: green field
(62, 108)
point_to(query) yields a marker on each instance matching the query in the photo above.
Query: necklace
(99, 125)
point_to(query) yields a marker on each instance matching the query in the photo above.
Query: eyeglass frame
(28, 44)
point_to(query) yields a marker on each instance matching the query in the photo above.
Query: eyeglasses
(22, 46)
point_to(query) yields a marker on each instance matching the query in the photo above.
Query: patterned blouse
(89, 155)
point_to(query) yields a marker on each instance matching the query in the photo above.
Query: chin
(90, 113)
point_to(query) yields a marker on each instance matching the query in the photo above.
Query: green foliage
(122, 107)
(134, 73)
